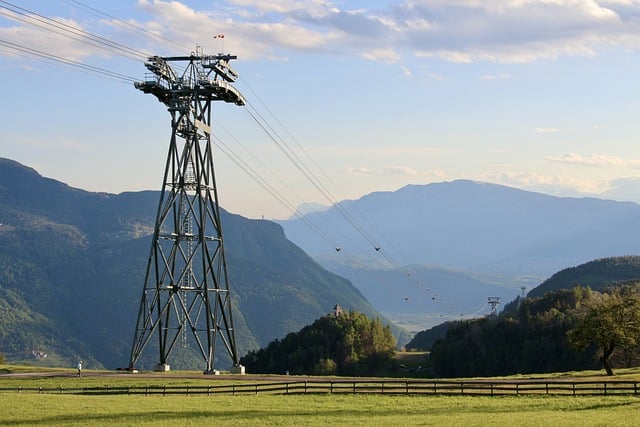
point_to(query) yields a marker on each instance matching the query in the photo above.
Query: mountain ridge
(477, 226)
(77, 261)
(494, 240)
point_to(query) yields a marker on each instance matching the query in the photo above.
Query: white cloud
(498, 76)
(383, 55)
(406, 71)
(463, 31)
(500, 31)
(399, 170)
(386, 171)
(594, 160)
(59, 39)
(360, 170)
(559, 185)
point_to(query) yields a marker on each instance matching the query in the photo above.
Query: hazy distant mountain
(72, 267)
(470, 229)
(476, 226)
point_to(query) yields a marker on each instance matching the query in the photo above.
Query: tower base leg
(162, 367)
(238, 370)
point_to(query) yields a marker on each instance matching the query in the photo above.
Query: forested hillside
(344, 344)
(532, 341)
(597, 275)
(72, 266)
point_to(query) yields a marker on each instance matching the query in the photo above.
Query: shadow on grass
(256, 416)
(608, 405)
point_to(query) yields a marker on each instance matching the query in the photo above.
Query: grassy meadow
(32, 409)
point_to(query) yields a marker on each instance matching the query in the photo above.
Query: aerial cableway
(186, 297)
(213, 78)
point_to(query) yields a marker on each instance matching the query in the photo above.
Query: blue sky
(539, 95)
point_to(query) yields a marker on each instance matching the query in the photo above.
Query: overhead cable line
(340, 206)
(311, 177)
(61, 28)
(65, 61)
(286, 203)
(127, 25)
(32, 18)
(269, 188)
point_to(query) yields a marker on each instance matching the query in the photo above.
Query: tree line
(345, 344)
(570, 329)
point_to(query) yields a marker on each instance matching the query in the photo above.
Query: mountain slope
(73, 263)
(597, 275)
(477, 227)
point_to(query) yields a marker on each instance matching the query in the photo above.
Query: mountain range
(72, 262)
(72, 267)
(448, 246)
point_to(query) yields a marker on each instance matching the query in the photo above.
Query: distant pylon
(186, 296)
(493, 302)
(522, 296)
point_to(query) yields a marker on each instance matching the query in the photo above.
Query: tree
(611, 322)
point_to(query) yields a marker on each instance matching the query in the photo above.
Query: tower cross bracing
(186, 300)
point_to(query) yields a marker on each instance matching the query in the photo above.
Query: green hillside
(597, 274)
(72, 266)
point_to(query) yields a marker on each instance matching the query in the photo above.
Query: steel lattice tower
(186, 295)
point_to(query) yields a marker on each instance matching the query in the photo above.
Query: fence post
(382, 388)
(574, 389)
(209, 391)
(491, 389)
(547, 387)
(406, 386)
(635, 387)
(40, 390)
(605, 388)
(305, 386)
(256, 388)
(517, 389)
(331, 387)
(354, 387)
(233, 389)
(287, 388)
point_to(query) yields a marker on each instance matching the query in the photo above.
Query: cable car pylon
(186, 299)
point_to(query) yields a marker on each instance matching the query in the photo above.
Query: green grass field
(32, 409)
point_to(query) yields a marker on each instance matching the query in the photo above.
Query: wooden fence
(409, 387)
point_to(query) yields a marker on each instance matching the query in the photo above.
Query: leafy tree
(611, 322)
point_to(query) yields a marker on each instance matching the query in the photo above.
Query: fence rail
(410, 387)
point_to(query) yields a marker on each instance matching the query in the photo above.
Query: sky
(541, 95)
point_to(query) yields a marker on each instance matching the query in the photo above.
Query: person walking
(79, 368)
